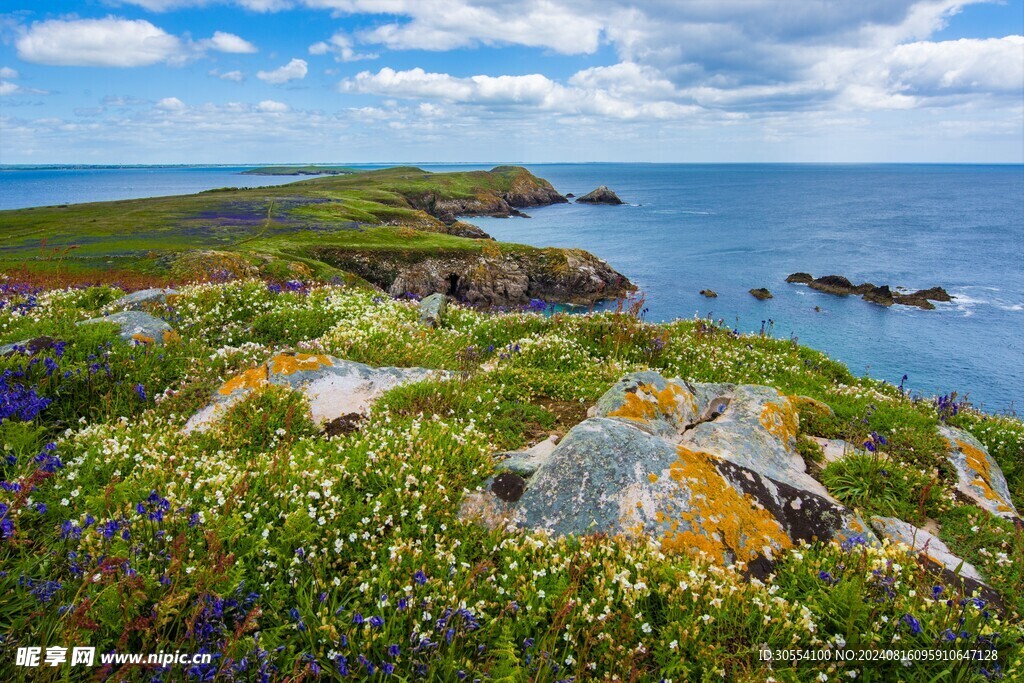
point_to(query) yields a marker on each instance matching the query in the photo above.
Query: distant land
(300, 170)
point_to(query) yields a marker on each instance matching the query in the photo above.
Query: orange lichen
(648, 403)
(652, 477)
(170, 337)
(250, 379)
(719, 519)
(288, 364)
(781, 421)
(142, 338)
(979, 464)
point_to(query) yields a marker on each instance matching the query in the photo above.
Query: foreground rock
(696, 468)
(602, 195)
(882, 295)
(933, 553)
(138, 327)
(432, 310)
(142, 299)
(335, 388)
(979, 478)
(502, 277)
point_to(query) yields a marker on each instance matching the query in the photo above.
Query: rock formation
(142, 299)
(882, 295)
(709, 468)
(432, 310)
(335, 388)
(601, 195)
(709, 293)
(138, 327)
(802, 278)
(979, 478)
(761, 293)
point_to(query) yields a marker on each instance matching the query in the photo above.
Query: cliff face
(500, 192)
(491, 277)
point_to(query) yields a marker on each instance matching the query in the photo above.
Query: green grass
(352, 546)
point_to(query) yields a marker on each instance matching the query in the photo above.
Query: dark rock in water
(344, 424)
(800, 278)
(601, 195)
(832, 284)
(913, 300)
(709, 293)
(879, 295)
(761, 293)
(865, 288)
(933, 293)
(569, 195)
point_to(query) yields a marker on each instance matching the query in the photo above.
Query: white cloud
(8, 88)
(293, 70)
(8, 72)
(228, 42)
(342, 47)
(273, 107)
(234, 76)
(171, 104)
(533, 92)
(966, 65)
(111, 42)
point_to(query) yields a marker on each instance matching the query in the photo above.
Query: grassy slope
(342, 211)
(319, 530)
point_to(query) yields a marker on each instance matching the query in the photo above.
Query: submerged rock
(602, 195)
(432, 310)
(335, 388)
(761, 293)
(138, 327)
(978, 475)
(709, 293)
(144, 298)
(696, 468)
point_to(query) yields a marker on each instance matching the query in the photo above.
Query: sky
(335, 81)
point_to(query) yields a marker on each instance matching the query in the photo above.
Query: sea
(733, 227)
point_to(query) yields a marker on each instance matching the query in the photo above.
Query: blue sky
(254, 81)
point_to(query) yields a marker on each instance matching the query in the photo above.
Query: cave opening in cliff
(453, 284)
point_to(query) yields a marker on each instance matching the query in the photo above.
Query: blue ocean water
(734, 227)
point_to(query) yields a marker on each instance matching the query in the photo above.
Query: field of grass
(147, 235)
(291, 556)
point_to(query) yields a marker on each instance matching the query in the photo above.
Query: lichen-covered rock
(210, 263)
(333, 387)
(31, 346)
(601, 195)
(432, 310)
(978, 475)
(144, 298)
(698, 468)
(934, 553)
(138, 327)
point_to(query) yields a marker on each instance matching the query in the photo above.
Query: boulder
(601, 195)
(979, 478)
(800, 278)
(335, 388)
(432, 310)
(709, 293)
(832, 284)
(697, 468)
(138, 327)
(142, 299)
(761, 293)
(31, 346)
(834, 450)
(933, 553)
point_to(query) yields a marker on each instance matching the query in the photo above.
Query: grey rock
(978, 475)
(334, 388)
(432, 310)
(708, 468)
(138, 327)
(143, 298)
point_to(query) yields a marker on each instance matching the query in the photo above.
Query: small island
(300, 170)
